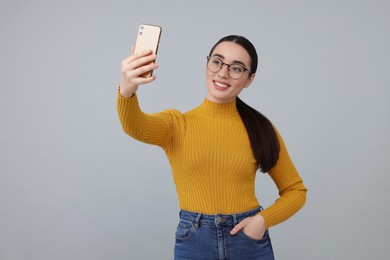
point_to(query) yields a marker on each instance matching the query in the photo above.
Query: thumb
(237, 228)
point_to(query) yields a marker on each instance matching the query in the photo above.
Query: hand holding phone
(143, 56)
(148, 38)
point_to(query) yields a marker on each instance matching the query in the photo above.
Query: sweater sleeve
(292, 191)
(156, 128)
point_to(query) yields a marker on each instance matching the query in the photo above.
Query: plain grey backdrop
(74, 186)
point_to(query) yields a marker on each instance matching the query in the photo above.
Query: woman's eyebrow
(234, 62)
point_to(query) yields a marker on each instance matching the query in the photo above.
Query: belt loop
(196, 224)
(235, 222)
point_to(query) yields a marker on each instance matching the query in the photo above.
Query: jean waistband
(217, 219)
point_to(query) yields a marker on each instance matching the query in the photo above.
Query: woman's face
(221, 88)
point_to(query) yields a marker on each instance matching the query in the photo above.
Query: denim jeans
(207, 237)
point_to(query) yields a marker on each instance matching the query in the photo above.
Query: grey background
(74, 186)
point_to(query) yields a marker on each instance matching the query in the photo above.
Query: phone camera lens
(140, 33)
(142, 27)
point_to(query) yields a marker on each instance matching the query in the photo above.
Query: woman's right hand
(134, 66)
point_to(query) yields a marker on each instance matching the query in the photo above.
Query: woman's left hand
(254, 227)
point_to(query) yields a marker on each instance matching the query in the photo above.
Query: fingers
(138, 55)
(133, 67)
(133, 73)
(253, 227)
(133, 78)
(144, 69)
(142, 61)
(238, 227)
(139, 60)
(137, 64)
(140, 81)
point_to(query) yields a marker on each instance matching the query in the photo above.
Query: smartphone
(148, 38)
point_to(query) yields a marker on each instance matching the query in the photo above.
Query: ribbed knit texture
(211, 159)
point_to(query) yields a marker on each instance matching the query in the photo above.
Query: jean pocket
(184, 229)
(264, 240)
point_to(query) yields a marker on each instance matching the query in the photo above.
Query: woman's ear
(249, 80)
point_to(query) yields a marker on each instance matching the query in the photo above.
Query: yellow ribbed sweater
(211, 159)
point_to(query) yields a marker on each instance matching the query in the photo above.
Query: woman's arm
(292, 197)
(154, 129)
(291, 189)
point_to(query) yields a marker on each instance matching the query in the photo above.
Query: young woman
(214, 151)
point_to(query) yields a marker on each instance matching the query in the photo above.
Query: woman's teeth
(221, 85)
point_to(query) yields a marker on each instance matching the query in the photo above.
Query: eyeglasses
(215, 64)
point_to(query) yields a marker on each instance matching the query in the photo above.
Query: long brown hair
(264, 141)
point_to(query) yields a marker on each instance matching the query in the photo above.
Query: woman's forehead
(231, 52)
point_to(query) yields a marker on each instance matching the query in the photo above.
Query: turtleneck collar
(218, 110)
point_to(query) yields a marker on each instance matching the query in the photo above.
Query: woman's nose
(224, 71)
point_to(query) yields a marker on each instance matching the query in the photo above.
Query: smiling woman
(225, 72)
(214, 151)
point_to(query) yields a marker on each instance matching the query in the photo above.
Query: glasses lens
(236, 71)
(214, 64)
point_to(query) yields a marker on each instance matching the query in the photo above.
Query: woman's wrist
(124, 94)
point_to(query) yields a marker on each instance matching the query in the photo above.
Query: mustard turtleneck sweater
(211, 159)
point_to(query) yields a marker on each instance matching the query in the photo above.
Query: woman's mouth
(220, 85)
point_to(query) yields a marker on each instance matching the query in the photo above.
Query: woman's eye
(237, 68)
(217, 62)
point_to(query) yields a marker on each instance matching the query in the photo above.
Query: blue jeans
(207, 237)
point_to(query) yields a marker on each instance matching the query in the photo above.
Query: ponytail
(264, 141)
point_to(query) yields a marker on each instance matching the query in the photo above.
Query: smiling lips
(220, 86)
